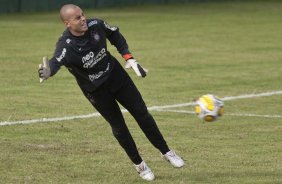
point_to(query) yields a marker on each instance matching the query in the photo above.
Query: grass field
(227, 49)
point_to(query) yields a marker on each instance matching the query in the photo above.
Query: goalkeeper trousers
(120, 88)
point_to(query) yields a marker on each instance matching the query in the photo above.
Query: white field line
(228, 114)
(152, 108)
(224, 99)
(44, 120)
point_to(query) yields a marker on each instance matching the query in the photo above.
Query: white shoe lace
(174, 159)
(144, 171)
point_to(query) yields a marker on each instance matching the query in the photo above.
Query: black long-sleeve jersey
(87, 57)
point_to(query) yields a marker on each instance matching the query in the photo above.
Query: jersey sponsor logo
(90, 59)
(113, 28)
(91, 23)
(95, 76)
(62, 55)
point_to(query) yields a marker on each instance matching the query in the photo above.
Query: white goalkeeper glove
(139, 70)
(44, 70)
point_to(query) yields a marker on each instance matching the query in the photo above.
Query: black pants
(120, 88)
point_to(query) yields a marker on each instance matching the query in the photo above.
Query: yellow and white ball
(209, 107)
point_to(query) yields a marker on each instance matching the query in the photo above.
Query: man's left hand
(139, 70)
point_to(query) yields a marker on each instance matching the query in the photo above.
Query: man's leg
(131, 99)
(106, 105)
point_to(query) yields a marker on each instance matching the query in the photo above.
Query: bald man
(82, 49)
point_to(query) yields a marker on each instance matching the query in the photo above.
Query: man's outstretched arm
(50, 67)
(117, 39)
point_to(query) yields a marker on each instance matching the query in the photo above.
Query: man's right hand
(44, 70)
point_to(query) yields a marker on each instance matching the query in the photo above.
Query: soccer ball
(209, 107)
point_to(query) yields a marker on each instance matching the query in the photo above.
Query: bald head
(67, 10)
(74, 19)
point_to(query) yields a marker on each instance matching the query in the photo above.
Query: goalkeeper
(83, 51)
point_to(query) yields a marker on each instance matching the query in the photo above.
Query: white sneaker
(174, 159)
(144, 171)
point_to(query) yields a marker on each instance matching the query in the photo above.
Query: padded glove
(44, 70)
(139, 70)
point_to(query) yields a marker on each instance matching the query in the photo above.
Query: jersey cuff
(127, 56)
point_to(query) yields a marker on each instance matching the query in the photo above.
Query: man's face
(76, 21)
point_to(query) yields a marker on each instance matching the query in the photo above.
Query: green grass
(227, 49)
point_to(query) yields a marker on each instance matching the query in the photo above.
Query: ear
(67, 23)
